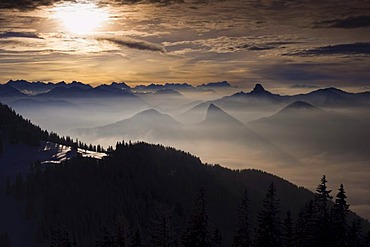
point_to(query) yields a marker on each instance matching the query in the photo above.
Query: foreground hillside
(139, 185)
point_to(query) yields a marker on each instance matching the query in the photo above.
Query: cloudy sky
(280, 43)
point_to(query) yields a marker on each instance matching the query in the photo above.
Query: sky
(280, 43)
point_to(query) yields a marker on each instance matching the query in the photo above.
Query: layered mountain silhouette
(78, 92)
(7, 91)
(38, 87)
(146, 125)
(169, 92)
(216, 116)
(302, 129)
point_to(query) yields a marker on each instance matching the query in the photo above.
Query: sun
(81, 18)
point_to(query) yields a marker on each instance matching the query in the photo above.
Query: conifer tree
(355, 237)
(305, 228)
(216, 240)
(162, 232)
(196, 233)
(339, 218)
(242, 236)
(321, 214)
(136, 240)
(269, 230)
(120, 232)
(288, 239)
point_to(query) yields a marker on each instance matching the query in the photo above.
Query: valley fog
(298, 137)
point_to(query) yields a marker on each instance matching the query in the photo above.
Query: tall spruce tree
(269, 227)
(305, 228)
(288, 235)
(216, 240)
(136, 239)
(196, 233)
(339, 218)
(242, 236)
(162, 232)
(355, 237)
(321, 214)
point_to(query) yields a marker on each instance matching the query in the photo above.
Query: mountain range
(134, 182)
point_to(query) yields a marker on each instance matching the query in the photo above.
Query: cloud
(229, 44)
(26, 4)
(339, 49)
(305, 86)
(349, 22)
(135, 44)
(27, 35)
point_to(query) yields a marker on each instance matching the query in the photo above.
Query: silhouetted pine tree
(288, 237)
(367, 239)
(242, 236)
(339, 218)
(136, 240)
(196, 234)
(321, 214)
(269, 229)
(162, 231)
(61, 238)
(355, 238)
(305, 228)
(216, 240)
(107, 240)
(120, 232)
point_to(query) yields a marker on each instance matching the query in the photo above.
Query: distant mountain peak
(213, 107)
(300, 106)
(258, 89)
(217, 115)
(168, 91)
(216, 84)
(150, 111)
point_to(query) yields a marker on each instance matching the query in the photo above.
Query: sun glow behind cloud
(81, 18)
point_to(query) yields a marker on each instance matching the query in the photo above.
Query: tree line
(143, 195)
(14, 129)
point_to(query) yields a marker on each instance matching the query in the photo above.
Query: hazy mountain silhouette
(333, 97)
(194, 115)
(169, 92)
(302, 129)
(77, 92)
(217, 116)
(216, 85)
(146, 125)
(41, 104)
(41, 87)
(9, 91)
(120, 85)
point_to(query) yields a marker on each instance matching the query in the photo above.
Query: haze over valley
(298, 137)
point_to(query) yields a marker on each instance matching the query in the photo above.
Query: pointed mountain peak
(258, 88)
(213, 107)
(216, 115)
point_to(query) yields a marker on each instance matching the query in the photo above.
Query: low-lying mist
(298, 141)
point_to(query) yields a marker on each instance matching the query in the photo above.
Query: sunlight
(81, 18)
